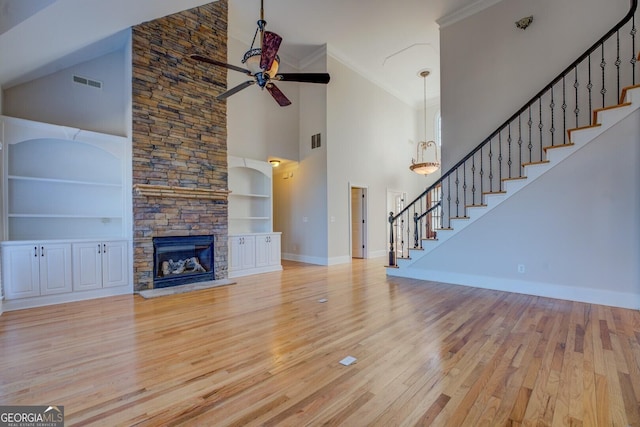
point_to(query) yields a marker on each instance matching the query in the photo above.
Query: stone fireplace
(179, 138)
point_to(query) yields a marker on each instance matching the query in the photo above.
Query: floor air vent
(87, 82)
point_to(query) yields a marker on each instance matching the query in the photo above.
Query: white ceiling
(388, 42)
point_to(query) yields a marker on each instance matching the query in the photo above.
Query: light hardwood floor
(265, 351)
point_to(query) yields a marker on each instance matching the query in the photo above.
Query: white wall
(258, 128)
(490, 68)
(371, 139)
(58, 100)
(575, 230)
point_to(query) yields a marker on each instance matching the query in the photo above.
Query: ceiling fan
(262, 64)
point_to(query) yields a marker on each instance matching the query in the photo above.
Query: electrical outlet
(520, 268)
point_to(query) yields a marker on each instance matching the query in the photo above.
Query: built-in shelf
(61, 183)
(250, 200)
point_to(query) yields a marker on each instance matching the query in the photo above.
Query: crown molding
(465, 12)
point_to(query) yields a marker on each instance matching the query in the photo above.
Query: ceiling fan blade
(304, 77)
(220, 64)
(234, 90)
(277, 94)
(270, 45)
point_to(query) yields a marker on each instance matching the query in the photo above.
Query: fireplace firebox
(179, 260)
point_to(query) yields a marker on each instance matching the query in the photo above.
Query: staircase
(576, 108)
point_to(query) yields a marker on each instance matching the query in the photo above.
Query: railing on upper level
(592, 81)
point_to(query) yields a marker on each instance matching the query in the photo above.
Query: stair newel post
(392, 253)
(416, 237)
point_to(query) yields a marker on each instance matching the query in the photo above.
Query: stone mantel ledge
(151, 190)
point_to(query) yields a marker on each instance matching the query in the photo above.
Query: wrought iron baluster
(633, 50)
(392, 249)
(589, 87)
(520, 145)
(457, 193)
(540, 126)
(481, 173)
(576, 85)
(509, 161)
(552, 129)
(499, 159)
(491, 165)
(618, 61)
(564, 111)
(603, 66)
(530, 146)
(416, 238)
(464, 189)
(473, 180)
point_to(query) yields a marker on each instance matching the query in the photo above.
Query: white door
(358, 222)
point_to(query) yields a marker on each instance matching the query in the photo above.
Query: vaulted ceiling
(388, 42)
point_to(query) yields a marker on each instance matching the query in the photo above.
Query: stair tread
(541, 162)
(476, 206)
(488, 193)
(444, 229)
(459, 217)
(550, 147)
(515, 178)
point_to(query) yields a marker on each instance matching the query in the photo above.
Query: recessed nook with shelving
(63, 188)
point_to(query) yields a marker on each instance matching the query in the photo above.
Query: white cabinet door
(274, 249)
(34, 269)
(267, 250)
(235, 253)
(263, 249)
(99, 265)
(114, 264)
(242, 252)
(248, 252)
(55, 269)
(87, 266)
(21, 271)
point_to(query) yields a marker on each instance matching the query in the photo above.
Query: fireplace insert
(179, 260)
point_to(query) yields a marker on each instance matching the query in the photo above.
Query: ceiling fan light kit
(262, 64)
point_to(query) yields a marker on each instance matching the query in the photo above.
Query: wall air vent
(87, 82)
(315, 141)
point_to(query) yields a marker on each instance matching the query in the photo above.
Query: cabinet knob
(35, 251)
(41, 250)
(104, 248)
(98, 248)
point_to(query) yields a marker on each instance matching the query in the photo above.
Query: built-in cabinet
(63, 188)
(99, 265)
(254, 253)
(253, 246)
(36, 268)
(268, 250)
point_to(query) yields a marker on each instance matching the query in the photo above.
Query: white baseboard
(41, 301)
(548, 290)
(252, 271)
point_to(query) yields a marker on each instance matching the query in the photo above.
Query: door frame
(365, 216)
